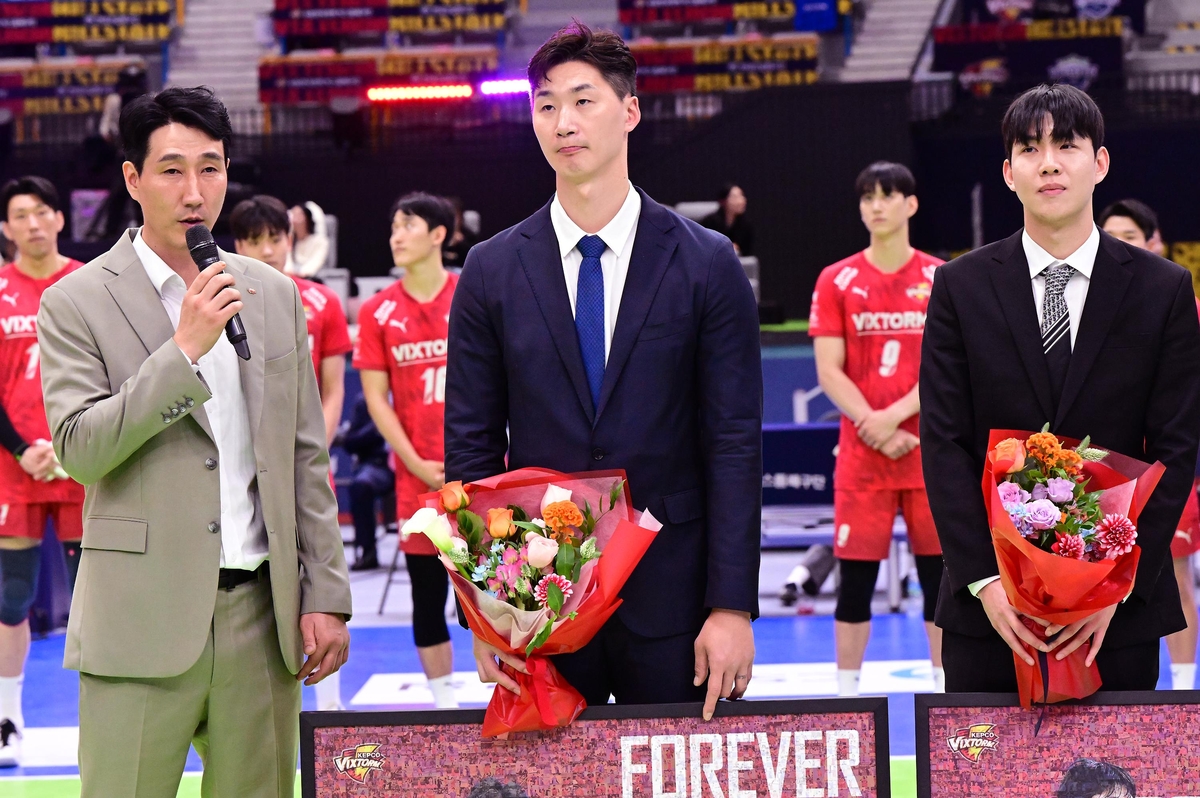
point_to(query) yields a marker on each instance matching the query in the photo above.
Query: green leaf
(541, 638)
(554, 597)
(1084, 444)
(564, 563)
(576, 570)
(529, 527)
(471, 527)
(1046, 427)
(616, 493)
(519, 514)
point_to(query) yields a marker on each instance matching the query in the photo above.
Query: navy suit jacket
(1133, 385)
(680, 409)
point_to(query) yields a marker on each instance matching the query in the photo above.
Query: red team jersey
(407, 339)
(21, 385)
(881, 317)
(328, 333)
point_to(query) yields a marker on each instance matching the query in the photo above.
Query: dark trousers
(633, 669)
(371, 483)
(985, 665)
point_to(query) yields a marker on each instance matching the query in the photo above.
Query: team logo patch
(981, 77)
(971, 743)
(1075, 70)
(358, 762)
(843, 534)
(919, 292)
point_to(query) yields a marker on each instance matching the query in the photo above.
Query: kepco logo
(971, 742)
(358, 762)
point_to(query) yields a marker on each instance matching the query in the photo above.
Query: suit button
(213, 526)
(597, 454)
(174, 411)
(166, 418)
(190, 401)
(210, 464)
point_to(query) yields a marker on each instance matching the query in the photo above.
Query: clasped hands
(880, 429)
(1006, 620)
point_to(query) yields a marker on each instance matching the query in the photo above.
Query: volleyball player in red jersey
(402, 348)
(33, 487)
(260, 227)
(867, 318)
(1136, 223)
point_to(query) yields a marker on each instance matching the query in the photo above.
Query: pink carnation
(1069, 546)
(1115, 535)
(564, 584)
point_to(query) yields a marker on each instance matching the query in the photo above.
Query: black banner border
(874, 705)
(923, 702)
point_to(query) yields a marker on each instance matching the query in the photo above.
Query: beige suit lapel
(254, 318)
(134, 294)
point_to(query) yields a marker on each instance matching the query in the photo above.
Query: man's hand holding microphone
(210, 302)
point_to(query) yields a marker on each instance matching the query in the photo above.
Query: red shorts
(863, 520)
(29, 520)
(1187, 532)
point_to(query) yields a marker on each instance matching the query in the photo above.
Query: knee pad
(855, 590)
(18, 583)
(929, 572)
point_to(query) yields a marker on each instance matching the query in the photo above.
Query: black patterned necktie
(1056, 324)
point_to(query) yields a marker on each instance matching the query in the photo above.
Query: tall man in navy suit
(603, 332)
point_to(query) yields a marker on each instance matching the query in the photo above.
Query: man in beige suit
(213, 577)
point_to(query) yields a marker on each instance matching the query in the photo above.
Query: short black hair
(196, 108)
(436, 211)
(32, 185)
(493, 788)
(888, 176)
(1087, 778)
(259, 214)
(1141, 213)
(1074, 113)
(603, 49)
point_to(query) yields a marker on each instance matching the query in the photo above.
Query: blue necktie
(589, 313)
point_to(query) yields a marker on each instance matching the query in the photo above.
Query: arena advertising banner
(73, 21)
(805, 15)
(1113, 744)
(717, 65)
(58, 88)
(288, 80)
(407, 17)
(780, 749)
(1019, 54)
(798, 463)
(1025, 10)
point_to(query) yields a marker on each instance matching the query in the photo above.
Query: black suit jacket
(680, 408)
(1133, 385)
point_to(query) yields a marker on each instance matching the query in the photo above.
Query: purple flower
(1040, 492)
(1012, 493)
(1043, 514)
(1060, 490)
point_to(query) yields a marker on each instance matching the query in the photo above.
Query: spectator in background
(373, 480)
(401, 350)
(1134, 222)
(730, 220)
(492, 788)
(310, 242)
(454, 251)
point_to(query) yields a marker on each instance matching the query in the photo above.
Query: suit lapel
(135, 295)
(542, 262)
(1106, 289)
(253, 315)
(652, 250)
(1010, 278)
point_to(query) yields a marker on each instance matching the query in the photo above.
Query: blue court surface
(794, 660)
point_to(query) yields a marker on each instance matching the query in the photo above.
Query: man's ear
(913, 205)
(132, 179)
(1103, 162)
(1007, 171)
(238, 247)
(438, 235)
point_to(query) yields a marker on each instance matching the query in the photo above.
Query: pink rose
(542, 550)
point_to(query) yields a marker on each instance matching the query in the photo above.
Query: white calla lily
(428, 522)
(554, 494)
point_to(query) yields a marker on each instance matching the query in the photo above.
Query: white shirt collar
(156, 268)
(1082, 259)
(615, 234)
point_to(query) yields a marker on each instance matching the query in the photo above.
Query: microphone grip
(235, 331)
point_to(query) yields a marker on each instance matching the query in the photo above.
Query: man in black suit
(605, 332)
(1065, 325)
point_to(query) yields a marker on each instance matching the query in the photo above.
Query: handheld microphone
(203, 250)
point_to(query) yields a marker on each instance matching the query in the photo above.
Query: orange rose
(1009, 456)
(560, 517)
(500, 522)
(454, 497)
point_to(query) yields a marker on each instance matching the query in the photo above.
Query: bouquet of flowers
(1063, 516)
(537, 559)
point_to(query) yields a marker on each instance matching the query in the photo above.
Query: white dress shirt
(1075, 295)
(243, 533)
(618, 236)
(1082, 260)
